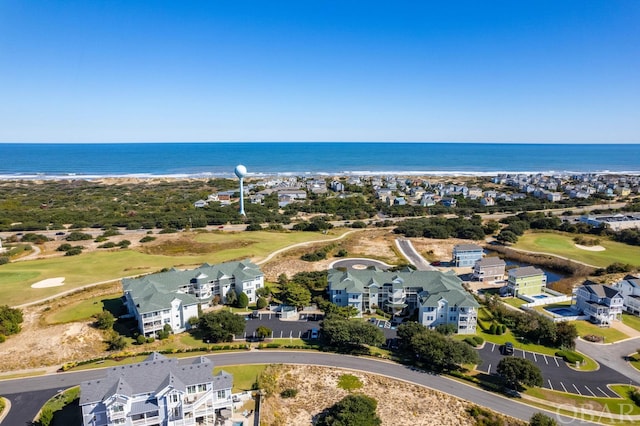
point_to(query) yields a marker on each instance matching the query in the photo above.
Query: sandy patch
(590, 248)
(49, 282)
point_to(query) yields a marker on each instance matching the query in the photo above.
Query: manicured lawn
(610, 334)
(244, 376)
(513, 301)
(631, 321)
(16, 278)
(83, 309)
(562, 244)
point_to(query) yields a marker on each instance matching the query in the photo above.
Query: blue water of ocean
(310, 158)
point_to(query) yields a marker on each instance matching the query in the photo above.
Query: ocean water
(50, 161)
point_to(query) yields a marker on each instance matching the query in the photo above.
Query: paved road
(13, 388)
(408, 251)
(613, 355)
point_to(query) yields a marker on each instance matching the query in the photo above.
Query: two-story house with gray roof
(601, 303)
(438, 297)
(157, 391)
(489, 269)
(173, 297)
(629, 288)
(466, 254)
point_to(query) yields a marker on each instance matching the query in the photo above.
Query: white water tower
(241, 172)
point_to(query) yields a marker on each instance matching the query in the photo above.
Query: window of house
(430, 318)
(338, 300)
(248, 291)
(174, 398)
(118, 421)
(191, 389)
(222, 394)
(453, 309)
(202, 388)
(452, 318)
(117, 408)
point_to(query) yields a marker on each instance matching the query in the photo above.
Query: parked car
(314, 333)
(507, 349)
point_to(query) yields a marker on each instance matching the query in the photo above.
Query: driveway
(412, 255)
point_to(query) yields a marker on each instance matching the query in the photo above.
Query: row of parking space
(556, 374)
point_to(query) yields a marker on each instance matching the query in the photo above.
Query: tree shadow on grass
(69, 414)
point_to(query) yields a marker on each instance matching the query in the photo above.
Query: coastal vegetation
(10, 320)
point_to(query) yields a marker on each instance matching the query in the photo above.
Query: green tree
(518, 372)
(352, 410)
(243, 300)
(507, 236)
(115, 342)
(10, 320)
(263, 332)
(231, 297)
(566, 335)
(221, 326)
(295, 295)
(540, 419)
(104, 320)
(344, 333)
(261, 303)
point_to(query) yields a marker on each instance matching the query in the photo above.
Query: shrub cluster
(570, 356)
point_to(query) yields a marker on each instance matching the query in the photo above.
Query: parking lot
(556, 374)
(298, 328)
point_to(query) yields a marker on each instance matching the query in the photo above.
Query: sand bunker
(590, 248)
(49, 282)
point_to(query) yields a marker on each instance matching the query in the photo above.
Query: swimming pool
(565, 312)
(540, 296)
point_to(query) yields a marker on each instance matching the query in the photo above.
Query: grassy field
(16, 278)
(562, 244)
(631, 321)
(84, 309)
(610, 334)
(244, 376)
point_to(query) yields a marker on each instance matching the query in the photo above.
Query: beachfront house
(438, 297)
(157, 391)
(629, 288)
(174, 296)
(601, 303)
(528, 281)
(489, 269)
(466, 255)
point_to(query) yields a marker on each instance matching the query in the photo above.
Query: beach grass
(562, 244)
(95, 267)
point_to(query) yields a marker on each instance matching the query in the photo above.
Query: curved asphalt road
(26, 394)
(407, 249)
(613, 355)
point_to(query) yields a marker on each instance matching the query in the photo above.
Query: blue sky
(304, 70)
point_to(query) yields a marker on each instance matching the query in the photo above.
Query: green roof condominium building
(173, 297)
(528, 281)
(438, 297)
